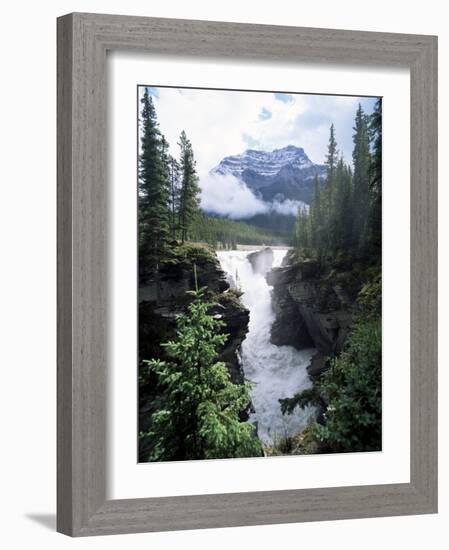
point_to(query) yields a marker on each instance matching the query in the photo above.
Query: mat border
(83, 40)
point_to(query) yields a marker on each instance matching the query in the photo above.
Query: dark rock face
(163, 296)
(236, 317)
(312, 308)
(318, 365)
(261, 260)
(170, 284)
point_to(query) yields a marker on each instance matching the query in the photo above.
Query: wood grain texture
(83, 40)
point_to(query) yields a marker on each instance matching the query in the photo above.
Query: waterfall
(275, 371)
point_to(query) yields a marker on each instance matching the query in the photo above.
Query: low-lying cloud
(228, 196)
(289, 207)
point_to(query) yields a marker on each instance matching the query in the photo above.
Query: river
(275, 371)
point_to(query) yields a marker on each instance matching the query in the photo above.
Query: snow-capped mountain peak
(264, 163)
(281, 174)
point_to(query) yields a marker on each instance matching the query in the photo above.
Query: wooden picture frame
(83, 40)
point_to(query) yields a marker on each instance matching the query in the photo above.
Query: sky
(220, 123)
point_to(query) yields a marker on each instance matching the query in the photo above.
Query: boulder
(318, 365)
(261, 260)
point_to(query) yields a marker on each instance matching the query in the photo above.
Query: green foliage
(174, 175)
(226, 233)
(189, 253)
(311, 396)
(361, 157)
(328, 195)
(345, 214)
(351, 389)
(273, 222)
(303, 229)
(331, 157)
(316, 220)
(303, 443)
(189, 194)
(169, 194)
(198, 407)
(169, 202)
(153, 188)
(375, 131)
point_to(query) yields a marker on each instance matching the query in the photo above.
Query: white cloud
(220, 123)
(288, 207)
(227, 196)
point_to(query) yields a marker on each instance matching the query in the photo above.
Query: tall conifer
(189, 202)
(199, 408)
(329, 190)
(316, 217)
(375, 129)
(174, 195)
(153, 189)
(362, 161)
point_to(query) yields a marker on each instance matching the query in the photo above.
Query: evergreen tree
(189, 204)
(362, 161)
(343, 206)
(375, 129)
(198, 406)
(352, 386)
(332, 154)
(302, 229)
(153, 189)
(329, 191)
(316, 217)
(174, 194)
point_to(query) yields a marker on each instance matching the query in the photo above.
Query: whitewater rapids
(275, 371)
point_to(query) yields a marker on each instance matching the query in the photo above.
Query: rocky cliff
(261, 260)
(164, 295)
(314, 306)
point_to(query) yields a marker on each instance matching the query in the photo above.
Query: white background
(27, 302)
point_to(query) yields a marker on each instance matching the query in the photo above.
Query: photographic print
(259, 267)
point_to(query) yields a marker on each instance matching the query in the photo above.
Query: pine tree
(343, 206)
(329, 190)
(302, 229)
(189, 204)
(198, 406)
(362, 162)
(345, 216)
(316, 217)
(153, 189)
(174, 194)
(332, 154)
(375, 130)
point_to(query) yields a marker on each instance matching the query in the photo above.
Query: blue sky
(221, 123)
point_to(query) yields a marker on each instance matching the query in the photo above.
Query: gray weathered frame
(83, 40)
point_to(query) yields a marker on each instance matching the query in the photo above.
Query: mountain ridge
(278, 175)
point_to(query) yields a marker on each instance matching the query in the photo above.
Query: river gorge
(275, 371)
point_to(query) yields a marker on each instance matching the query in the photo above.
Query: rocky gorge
(314, 304)
(164, 294)
(285, 318)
